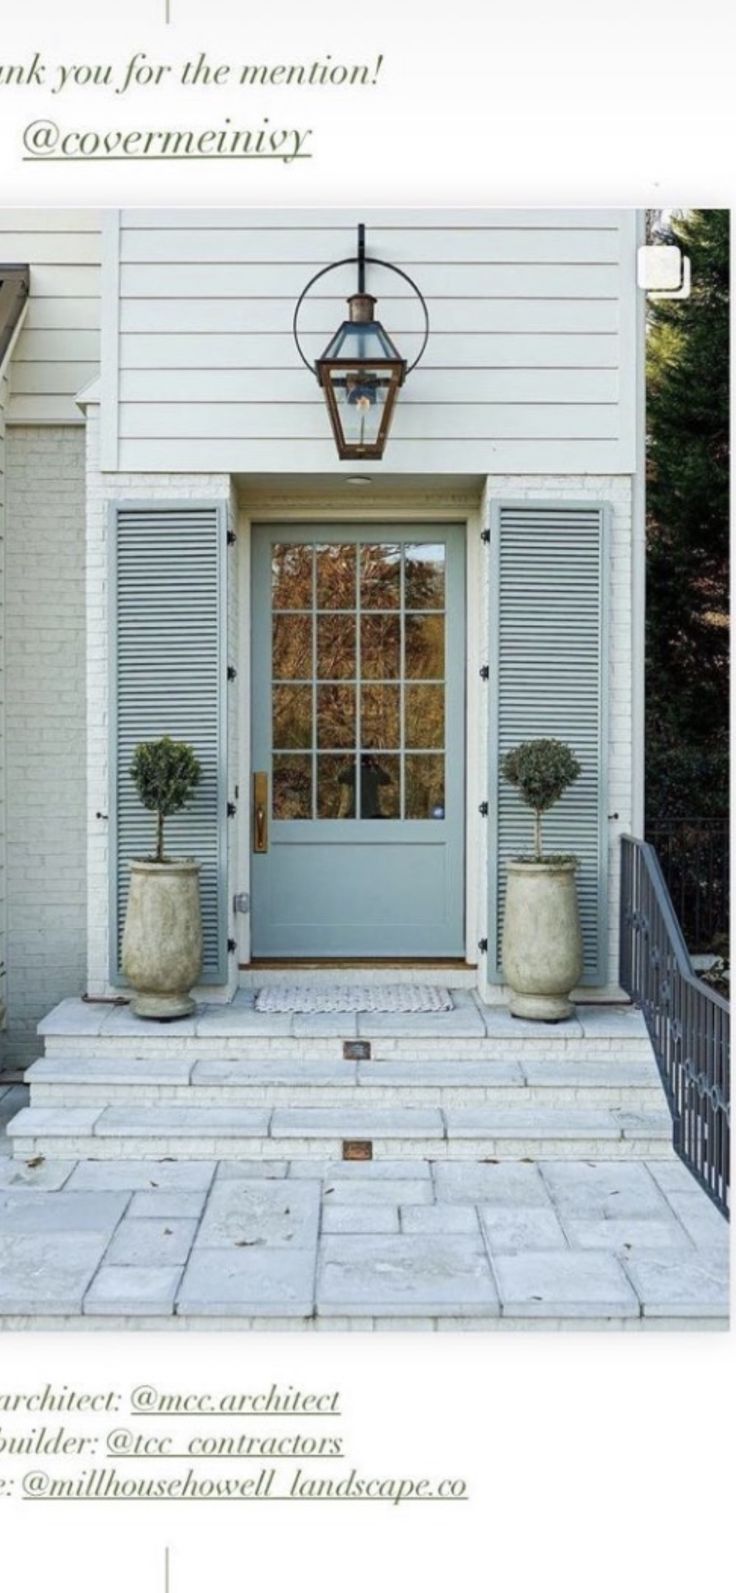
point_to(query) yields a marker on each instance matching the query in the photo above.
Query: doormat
(354, 998)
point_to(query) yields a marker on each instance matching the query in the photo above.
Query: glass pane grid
(383, 688)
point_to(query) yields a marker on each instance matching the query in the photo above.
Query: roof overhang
(14, 284)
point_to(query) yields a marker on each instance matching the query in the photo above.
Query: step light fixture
(361, 369)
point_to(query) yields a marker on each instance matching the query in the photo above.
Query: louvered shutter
(549, 678)
(168, 673)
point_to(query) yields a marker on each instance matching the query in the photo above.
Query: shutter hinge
(484, 672)
(485, 536)
(483, 944)
(232, 945)
(483, 810)
(231, 810)
(230, 537)
(232, 673)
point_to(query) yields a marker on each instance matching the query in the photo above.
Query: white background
(595, 1462)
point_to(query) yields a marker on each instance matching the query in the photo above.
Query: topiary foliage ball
(541, 771)
(165, 774)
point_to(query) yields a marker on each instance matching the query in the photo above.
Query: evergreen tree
(687, 530)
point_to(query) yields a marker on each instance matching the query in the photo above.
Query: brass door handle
(260, 812)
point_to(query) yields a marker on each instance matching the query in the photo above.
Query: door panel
(358, 727)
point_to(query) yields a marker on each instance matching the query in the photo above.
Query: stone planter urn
(542, 944)
(162, 939)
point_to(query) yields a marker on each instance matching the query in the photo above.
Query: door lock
(260, 812)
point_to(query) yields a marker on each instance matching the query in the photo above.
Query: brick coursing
(45, 726)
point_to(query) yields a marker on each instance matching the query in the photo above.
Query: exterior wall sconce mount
(361, 369)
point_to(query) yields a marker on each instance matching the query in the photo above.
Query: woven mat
(353, 998)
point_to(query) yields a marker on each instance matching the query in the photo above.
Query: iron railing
(694, 854)
(688, 1023)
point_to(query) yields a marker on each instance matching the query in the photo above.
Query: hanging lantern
(361, 370)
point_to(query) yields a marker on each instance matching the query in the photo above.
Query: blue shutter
(549, 664)
(168, 638)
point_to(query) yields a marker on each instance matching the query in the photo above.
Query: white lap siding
(45, 725)
(58, 350)
(530, 364)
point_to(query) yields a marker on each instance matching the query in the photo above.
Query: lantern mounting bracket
(361, 259)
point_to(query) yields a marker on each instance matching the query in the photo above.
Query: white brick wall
(103, 489)
(4, 395)
(45, 725)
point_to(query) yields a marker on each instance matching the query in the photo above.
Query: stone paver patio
(409, 1244)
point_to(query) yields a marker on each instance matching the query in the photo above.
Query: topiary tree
(541, 770)
(165, 774)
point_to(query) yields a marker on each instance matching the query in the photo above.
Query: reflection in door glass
(380, 575)
(335, 647)
(335, 716)
(380, 638)
(425, 716)
(425, 787)
(335, 786)
(291, 575)
(380, 790)
(424, 646)
(292, 647)
(425, 575)
(292, 786)
(292, 716)
(336, 576)
(379, 716)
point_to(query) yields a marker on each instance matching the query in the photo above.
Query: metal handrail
(687, 1021)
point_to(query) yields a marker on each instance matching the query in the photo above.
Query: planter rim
(516, 866)
(174, 865)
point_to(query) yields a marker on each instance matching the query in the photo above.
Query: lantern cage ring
(359, 260)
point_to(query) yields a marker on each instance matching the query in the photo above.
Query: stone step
(284, 1082)
(238, 1032)
(236, 1132)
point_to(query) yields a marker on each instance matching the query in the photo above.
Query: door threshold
(261, 964)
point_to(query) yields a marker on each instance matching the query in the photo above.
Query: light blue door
(358, 741)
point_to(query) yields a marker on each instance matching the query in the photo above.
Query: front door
(358, 741)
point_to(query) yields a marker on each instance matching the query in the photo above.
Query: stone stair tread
(53, 1121)
(275, 1071)
(531, 1122)
(402, 1122)
(109, 1070)
(159, 1121)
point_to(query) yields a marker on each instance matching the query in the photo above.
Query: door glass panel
(336, 576)
(358, 669)
(292, 786)
(425, 575)
(335, 647)
(335, 786)
(380, 638)
(425, 787)
(336, 716)
(292, 647)
(424, 647)
(380, 785)
(291, 575)
(425, 716)
(379, 716)
(292, 716)
(380, 575)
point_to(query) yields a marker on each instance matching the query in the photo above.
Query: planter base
(543, 1009)
(164, 1008)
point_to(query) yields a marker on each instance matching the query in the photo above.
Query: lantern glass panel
(360, 398)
